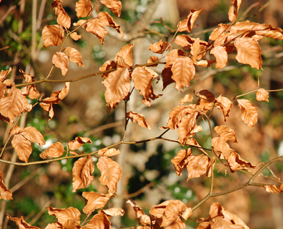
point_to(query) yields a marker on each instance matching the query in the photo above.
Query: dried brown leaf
(262, 95)
(237, 163)
(33, 135)
(187, 24)
(99, 221)
(224, 105)
(197, 166)
(63, 18)
(61, 60)
(114, 5)
(75, 36)
(82, 172)
(64, 92)
(78, 142)
(226, 133)
(126, 54)
(5, 193)
(186, 99)
(137, 118)
(14, 104)
(94, 201)
(220, 145)
(4, 74)
(106, 20)
(152, 59)
(114, 211)
(159, 47)
(198, 49)
(233, 11)
(74, 56)
(167, 76)
(181, 160)
(65, 214)
(108, 152)
(248, 52)
(52, 35)
(274, 33)
(117, 86)
(83, 8)
(217, 32)
(108, 65)
(94, 26)
(221, 56)
(48, 108)
(22, 147)
(21, 223)
(248, 112)
(55, 150)
(141, 216)
(185, 41)
(274, 188)
(111, 173)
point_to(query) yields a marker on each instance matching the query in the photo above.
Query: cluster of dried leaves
(117, 75)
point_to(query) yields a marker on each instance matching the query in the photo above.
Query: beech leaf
(74, 56)
(21, 223)
(181, 160)
(22, 147)
(159, 47)
(197, 166)
(224, 105)
(221, 56)
(75, 36)
(141, 216)
(5, 193)
(226, 133)
(185, 41)
(187, 24)
(233, 10)
(111, 173)
(61, 60)
(126, 54)
(82, 172)
(274, 188)
(108, 152)
(262, 95)
(65, 214)
(220, 145)
(248, 112)
(63, 18)
(52, 35)
(83, 8)
(33, 135)
(94, 201)
(4, 74)
(114, 5)
(237, 163)
(248, 52)
(114, 211)
(99, 221)
(186, 99)
(55, 150)
(78, 142)
(137, 118)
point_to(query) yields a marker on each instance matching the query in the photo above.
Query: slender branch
(139, 191)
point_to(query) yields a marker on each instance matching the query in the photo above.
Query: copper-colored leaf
(248, 52)
(65, 214)
(217, 32)
(83, 8)
(114, 211)
(52, 35)
(197, 166)
(193, 142)
(108, 152)
(198, 49)
(152, 59)
(186, 99)
(206, 100)
(245, 26)
(75, 36)
(262, 95)
(224, 105)
(108, 65)
(117, 86)
(233, 11)
(94, 201)
(22, 147)
(226, 133)
(14, 104)
(61, 60)
(142, 77)
(82, 172)
(159, 47)
(74, 56)
(181, 160)
(221, 56)
(137, 118)
(78, 142)
(63, 18)
(54, 226)
(248, 112)
(114, 5)
(237, 163)
(64, 92)
(5, 193)
(185, 41)
(220, 145)
(111, 173)
(55, 150)
(33, 135)
(274, 33)
(187, 24)
(94, 26)
(48, 108)
(21, 223)
(99, 221)
(106, 20)
(4, 74)
(274, 188)
(126, 54)
(141, 216)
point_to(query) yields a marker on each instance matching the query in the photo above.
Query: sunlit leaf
(109, 152)
(5, 193)
(78, 142)
(197, 166)
(141, 216)
(4, 74)
(262, 95)
(181, 160)
(221, 56)
(65, 214)
(22, 147)
(237, 163)
(74, 56)
(220, 145)
(218, 31)
(99, 221)
(187, 24)
(226, 133)
(248, 112)
(274, 188)
(224, 105)
(159, 47)
(83, 8)
(138, 118)
(82, 173)
(94, 201)
(233, 10)
(111, 173)
(52, 35)
(61, 60)
(185, 41)
(55, 150)
(75, 36)
(21, 223)
(126, 54)
(33, 135)
(63, 18)
(114, 211)
(114, 5)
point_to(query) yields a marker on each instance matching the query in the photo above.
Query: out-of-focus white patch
(280, 149)
(48, 143)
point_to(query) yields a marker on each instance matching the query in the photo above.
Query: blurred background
(148, 174)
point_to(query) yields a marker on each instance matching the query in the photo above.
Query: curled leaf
(226, 133)
(186, 99)
(187, 24)
(274, 188)
(21, 223)
(262, 95)
(83, 8)
(141, 216)
(114, 5)
(65, 214)
(82, 172)
(220, 145)
(94, 201)
(233, 10)
(55, 150)
(75, 36)
(63, 18)
(61, 60)
(126, 54)
(159, 47)
(197, 166)
(74, 56)
(78, 142)
(224, 105)
(114, 211)
(108, 152)
(100, 220)
(22, 147)
(181, 160)
(137, 118)
(221, 56)
(52, 35)
(237, 163)
(5, 193)
(248, 112)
